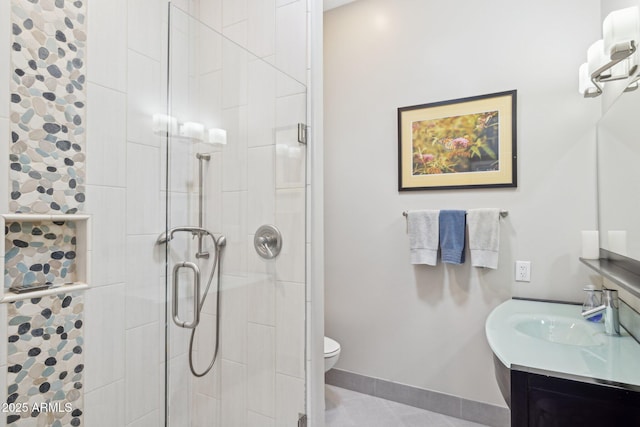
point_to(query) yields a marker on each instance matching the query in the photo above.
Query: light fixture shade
(217, 136)
(193, 130)
(595, 56)
(621, 31)
(163, 124)
(619, 71)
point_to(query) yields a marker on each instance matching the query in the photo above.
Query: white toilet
(331, 353)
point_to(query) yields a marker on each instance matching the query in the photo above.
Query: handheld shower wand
(199, 299)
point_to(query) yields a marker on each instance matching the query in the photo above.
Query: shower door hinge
(302, 421)
(302, 133)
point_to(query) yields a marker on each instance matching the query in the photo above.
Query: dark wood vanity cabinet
(541, 400)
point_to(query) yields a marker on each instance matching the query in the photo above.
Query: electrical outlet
(523, 271)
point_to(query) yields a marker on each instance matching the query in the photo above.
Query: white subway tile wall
(108, 147)
(107, 45)
(105, 330)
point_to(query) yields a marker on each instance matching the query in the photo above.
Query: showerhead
(167, 236)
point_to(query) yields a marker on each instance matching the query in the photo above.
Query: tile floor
(346, 408)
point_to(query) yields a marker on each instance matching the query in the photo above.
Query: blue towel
(452, 228)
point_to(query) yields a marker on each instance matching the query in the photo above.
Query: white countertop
(612, 358)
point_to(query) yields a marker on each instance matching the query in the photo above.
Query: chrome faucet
(609, 308)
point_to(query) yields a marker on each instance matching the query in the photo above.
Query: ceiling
(332, 4)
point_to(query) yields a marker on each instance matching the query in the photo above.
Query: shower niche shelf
(49, 252)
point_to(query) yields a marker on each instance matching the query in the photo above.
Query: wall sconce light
(170, 126)
(613, 57)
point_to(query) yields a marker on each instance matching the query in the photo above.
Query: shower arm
(201, 158)
(195, 231)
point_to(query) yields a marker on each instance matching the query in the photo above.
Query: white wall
(424, 326)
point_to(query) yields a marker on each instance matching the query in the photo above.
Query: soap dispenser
(592, 300)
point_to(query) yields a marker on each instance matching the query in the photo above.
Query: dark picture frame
(458, 144)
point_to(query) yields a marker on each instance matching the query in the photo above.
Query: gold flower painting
(458, 144)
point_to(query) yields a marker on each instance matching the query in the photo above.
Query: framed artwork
(462, 143)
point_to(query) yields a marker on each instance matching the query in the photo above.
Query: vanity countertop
(555, 337)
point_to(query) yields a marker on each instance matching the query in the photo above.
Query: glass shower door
(233, 164)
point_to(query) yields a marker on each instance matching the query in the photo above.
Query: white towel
(484, 237)
(423, 227)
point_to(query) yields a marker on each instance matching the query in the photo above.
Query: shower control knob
(268, 241)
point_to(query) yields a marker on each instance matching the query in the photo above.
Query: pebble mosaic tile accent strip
(48, 96)
(47, 176)
(39, 253)
(45, 362)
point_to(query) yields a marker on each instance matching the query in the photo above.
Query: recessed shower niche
(43, 253)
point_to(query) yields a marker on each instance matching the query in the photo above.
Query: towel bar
(503, 213)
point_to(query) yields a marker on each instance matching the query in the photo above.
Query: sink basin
(554, 337)
(557, 329)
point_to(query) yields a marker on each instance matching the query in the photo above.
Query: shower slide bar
(202, 157)
(196, 295)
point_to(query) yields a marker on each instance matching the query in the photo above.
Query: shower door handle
(196, 295)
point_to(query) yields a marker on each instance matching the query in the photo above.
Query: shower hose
(216, 266)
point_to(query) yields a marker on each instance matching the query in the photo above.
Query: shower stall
(154, 175)
(234, 162)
